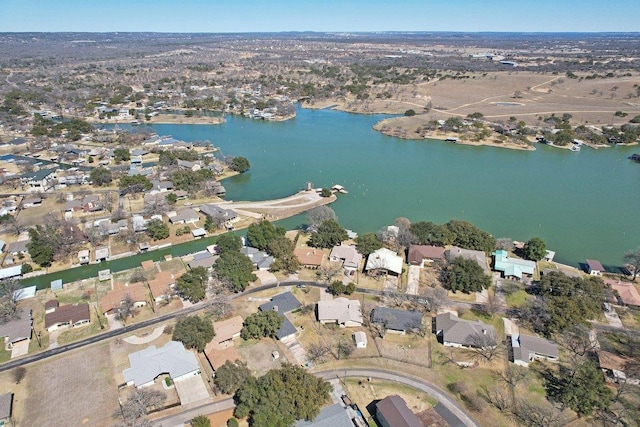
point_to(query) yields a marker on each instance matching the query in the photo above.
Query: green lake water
(584, 204)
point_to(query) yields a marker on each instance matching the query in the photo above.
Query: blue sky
(316, 15)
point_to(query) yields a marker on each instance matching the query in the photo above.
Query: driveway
(413, 280)
(20, 348)
(192, 390)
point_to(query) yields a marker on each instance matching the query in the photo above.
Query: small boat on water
(575, 148)
(635, 157)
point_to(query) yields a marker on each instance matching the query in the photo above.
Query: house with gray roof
(202, 259)
(261, 260)
(392, 411)
(17, 329)
(171, 359)
(16, 248)
(282, 303)
(527, 348)
(456, 332)
(226, 217)
(183, 216)
(6, 406)
(330, 416)
(397, 321)
(477, 256)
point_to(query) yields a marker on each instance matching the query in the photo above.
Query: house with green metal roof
(512, 267)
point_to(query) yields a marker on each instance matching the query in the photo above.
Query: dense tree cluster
(563, 302)
(100, 176)
(236, 269)
(319, 214)
(261, 324)
(229, 242)
(338, 288)
(194, 332)
(157, 229)
(240, 164)
(329, 234)
(231, 376)
(192, 285)
(534, 249)
(56, 238)
(134, 184)
(282, 396)
(260, 234)
(465, 275)
(367, 243)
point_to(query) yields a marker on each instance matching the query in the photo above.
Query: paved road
(179, 419)
(183, 312)
(447, 408)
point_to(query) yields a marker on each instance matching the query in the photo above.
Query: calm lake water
(584, 204)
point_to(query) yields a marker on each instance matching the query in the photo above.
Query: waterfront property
(512, 267)
(594, 267)
(384, 261)
(67, 316)
(419, 254)
(477, 256)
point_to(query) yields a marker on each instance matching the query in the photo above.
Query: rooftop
(147, 364)
(282, 303)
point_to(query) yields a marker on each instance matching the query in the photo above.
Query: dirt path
(284, 207)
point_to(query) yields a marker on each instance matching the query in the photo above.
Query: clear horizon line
(322, 32)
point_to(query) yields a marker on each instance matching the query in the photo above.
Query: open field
(81, 392)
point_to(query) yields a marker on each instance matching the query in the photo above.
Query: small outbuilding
(360, 339)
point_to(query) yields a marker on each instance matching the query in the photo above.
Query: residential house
(360, 338)
(384, 261)
(618, 369)
(8, 272)
(89, 203)
(397, 321)
(227, 330)
(309, 257)
(330, 416)
(282, 304)
(418, 254)
(83, 256)
(625, 293)
(161, 286)
(138, 223)
(477, 256)
(594, 267)
(261, 260)
(347, 255)
(161, 186)
(108, 228)
(41, 180)
(202, 259)
(192, 166)
(6, 408)
(512, 267)
(392, 411)
(527, 348)
(456, 332)
(19, 247)
(69, 316)
(102, 254)
(17, 329)
(183, 216)
(345, 312)
(111, 302)
(171, 359)
(29, 202)
(225, 217)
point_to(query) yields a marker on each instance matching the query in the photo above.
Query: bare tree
(578, 340)
(8, 305)
(317, 352)
(436, 298)
(126, 309)
(493, 304)
(319, 214)
(513, 375)
(134, 410)
(328, 271)
(484, 345)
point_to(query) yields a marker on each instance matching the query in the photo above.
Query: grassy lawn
(518, 298)
(630, 317)
(4, 354)
(459, 296)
